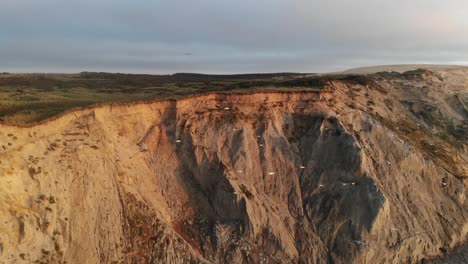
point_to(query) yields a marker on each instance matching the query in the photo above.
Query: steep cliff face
(356, 173)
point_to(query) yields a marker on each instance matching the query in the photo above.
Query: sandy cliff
(357, 173)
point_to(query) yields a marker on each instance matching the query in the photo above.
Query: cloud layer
(220, 36)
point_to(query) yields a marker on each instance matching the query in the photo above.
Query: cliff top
(26, 99)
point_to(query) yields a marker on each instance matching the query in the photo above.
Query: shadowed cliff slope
(367, 170)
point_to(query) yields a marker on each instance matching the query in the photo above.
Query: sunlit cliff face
(348, 174)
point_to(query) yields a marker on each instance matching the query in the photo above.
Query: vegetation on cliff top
(29, 98)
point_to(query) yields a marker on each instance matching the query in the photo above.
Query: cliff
(371, 172)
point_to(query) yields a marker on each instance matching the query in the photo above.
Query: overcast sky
(221, 36)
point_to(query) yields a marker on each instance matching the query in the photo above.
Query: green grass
(29, 98)
(416, 72)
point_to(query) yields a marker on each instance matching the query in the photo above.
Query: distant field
(29, 98)
(403, 68)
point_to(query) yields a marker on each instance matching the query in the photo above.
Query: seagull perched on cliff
(178, 141)
(271, 173)
(302, 167)
(226, 108)
(359, 242)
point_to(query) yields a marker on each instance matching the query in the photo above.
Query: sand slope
(356, 173)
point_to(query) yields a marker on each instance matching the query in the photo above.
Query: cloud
(223, 36)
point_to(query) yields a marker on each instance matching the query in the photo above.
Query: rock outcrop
(370, 172)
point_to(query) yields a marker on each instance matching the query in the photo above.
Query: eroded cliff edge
(354, 173)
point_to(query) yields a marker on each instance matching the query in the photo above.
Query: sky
(221, 36)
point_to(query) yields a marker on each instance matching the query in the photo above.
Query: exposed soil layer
(368, 171)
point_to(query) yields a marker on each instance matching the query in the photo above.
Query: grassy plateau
(29, 98)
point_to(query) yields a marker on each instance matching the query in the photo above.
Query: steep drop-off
(371, 172)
